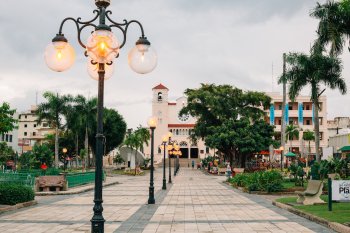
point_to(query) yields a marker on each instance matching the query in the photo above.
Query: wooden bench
(47, 183)
(237, 170)
(312, 193)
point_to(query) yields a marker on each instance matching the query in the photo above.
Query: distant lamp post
(164, 141)
(152, 123)
(282, 151)
(64, 150)
(101, 48)
(170, 148)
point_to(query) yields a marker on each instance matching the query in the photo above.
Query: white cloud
(199, 41)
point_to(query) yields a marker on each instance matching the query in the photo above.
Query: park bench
(50, 183)
(312, 193)
(237, 170)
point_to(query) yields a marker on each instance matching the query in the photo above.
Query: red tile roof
(160, 86)
(181, 125)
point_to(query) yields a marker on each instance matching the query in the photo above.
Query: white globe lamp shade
(142, 58)
(102, 46)
(92, 68)
(59, 56)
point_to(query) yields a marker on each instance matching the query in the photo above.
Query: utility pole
(283, 123)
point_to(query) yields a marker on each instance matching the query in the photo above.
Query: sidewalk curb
(331, 225)
(82, 190)
(18, 206)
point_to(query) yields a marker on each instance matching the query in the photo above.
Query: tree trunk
(317, 131)
(56, 148)
(77, 150)
(86, 145)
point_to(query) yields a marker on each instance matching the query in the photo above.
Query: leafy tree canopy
(6, 153)
(7, 122)
(229, 119)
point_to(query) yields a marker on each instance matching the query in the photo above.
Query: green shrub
(12, 193)
(268, 181)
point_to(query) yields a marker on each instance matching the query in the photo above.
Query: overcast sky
(199, 41)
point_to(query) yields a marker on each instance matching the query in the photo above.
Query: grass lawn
(340, 212)
(291, 185)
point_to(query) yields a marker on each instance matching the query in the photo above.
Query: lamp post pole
(102, 48)
(169, 152)
(151, 199)
(164, 179)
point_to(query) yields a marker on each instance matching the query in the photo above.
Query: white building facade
(29, 131)
(168, 120)
(300, 113)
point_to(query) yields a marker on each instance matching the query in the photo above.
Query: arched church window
(177, 132)
(160, 96)
(159, 150)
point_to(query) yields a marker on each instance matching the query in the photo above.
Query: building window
(10, 138)
(307, 107)
(34, 125)
(160, 96)
(201, 151)
(6, 137)
(290, 106)
(45, 124)
(177, 132)
(159, 150)
(25, 133)
(308, 122)
(25, 116)
(321, 136)
(320, 120)
(279, 122)
(280, 107)
(34, 133)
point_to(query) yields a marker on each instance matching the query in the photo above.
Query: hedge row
(267, 181)
(12, 193)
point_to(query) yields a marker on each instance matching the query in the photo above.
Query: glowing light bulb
(59, 55)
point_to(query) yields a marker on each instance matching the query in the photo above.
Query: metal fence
(27, 177)
(81, 178)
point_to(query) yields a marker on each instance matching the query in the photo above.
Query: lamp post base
(151, 199)
(164, 184)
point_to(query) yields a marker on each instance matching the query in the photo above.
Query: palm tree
(334, 24)
(86, 118)
(292, 131)
(52, 112)
(143, 136)
(309, 136)
(313, 70)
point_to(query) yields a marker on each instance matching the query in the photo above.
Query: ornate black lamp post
(170, 147)
(165, 139)
(101, 49)
(152, 124)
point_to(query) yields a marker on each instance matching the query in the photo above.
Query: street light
(164, 141)
(152, 123)
(101, 49)
(170, 147)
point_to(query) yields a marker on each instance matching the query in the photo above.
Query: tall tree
(313, 70)
(309, 136)
(7, 121)
(334, 24)
(53, 111)
(83, 119)
(292, 131)
(143, 135)
(225, 115)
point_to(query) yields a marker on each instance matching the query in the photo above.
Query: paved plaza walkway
(195, 202)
